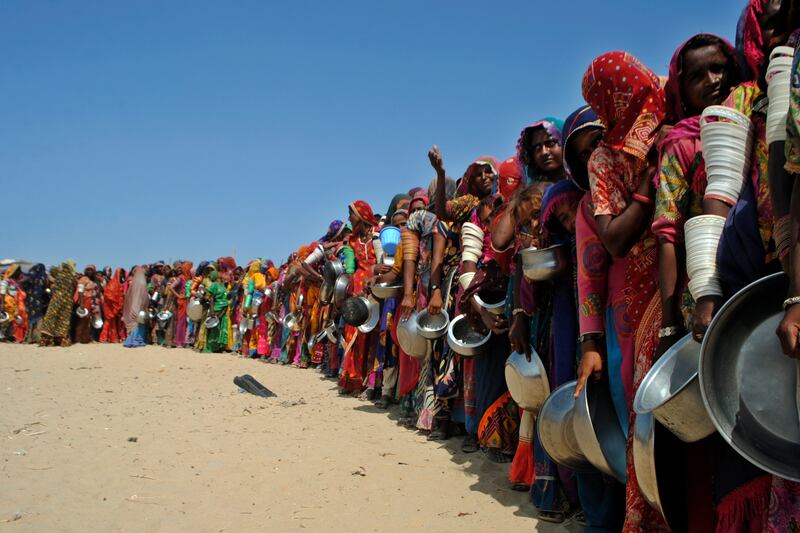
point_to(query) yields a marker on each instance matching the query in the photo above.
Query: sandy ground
(99, 438)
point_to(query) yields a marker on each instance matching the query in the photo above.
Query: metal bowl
(340, 289)
(326, 293)
(545, 263)
(555, 431)
(82, 312)
(194, 309)
(269, 293)
(412, 343)
(387, 290)
(527, 381)
(332, 270)
(749, 387)
(600, 435)
(374, 316)
(671, 391)
(242, 327)
(212, 322)
(164, 315)
(97, 322)
(142, 317)
(291, 322)
(464, 340)
(660, 463)
(432, 326)
(331, 333)
(4, 317)
(494, 307)
(301, 299)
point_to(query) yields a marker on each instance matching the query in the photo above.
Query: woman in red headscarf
(113, 300)
(619, 307)
(358, 346)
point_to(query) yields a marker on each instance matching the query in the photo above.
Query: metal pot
(82, 312)
(269, 293)
(464, 340)
(331, 333)
(749, 387)
(255, 303)
(142, 317)
(242, 327)
(325, 293)
(155, 297)
(432, 326)
(332, 270)
(212, 322)
(194, 309)
(410, 340)
(291, 322)
(4, 317)
(554, 428)
(527, 381)
(600, 436)
(384, 291)
(164, 316)
(671, 391)
(495, 308)
(546, 263)
(97, 322)
(340, 289)
(374, 316)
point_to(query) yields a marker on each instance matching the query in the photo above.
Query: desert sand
(101, 438)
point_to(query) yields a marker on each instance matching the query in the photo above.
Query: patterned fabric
(793, 121)
(35, 287)
(784, 507)
(499, 427)
(749, 39)
(582, 118)
(509, 177)
(613, 177)
(628, 97)
(364, 211)
(59, 312)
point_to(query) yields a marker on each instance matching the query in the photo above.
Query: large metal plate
(748, 385)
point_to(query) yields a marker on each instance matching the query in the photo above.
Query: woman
(89, 299)
(136, 301)
(539, 151)
(358, 346)
(178, 290)
(217, 337)
(113, 302)
(617, 269)
(56, 322)
(35, 285)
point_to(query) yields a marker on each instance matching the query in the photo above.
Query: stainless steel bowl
(464, 340)
(332, 270)
(165, 315)
(555, 429)
(432, 326)
(291, 323)
(496, 308)
(326, 293)
(97, 322)
(212, 322)
(383, 291)
(374, 316)
(242, 327)
(142, 317)
(194, 309)
(527, 381)
(410, 340)
(82, 312)
(331, 332)
(269, 293)
(749, 387)
(600, 435)
(671, 391)
(340, 289)
(542, 264)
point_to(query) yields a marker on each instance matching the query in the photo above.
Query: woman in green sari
(217, 337)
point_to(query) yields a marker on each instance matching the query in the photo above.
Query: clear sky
(146, 130)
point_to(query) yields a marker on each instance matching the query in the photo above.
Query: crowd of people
(615, 183)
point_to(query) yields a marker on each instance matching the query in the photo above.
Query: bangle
(788, 302)
(643, 199)
(518, 311)
(668, 331)
(590, 337)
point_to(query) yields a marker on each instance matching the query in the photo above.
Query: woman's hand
(665, 343)
(407, 306)
(435, 303)
(704, 311)
(435, 158)
(789, 330)
(497, 324)
(591, 365)
(519, 335)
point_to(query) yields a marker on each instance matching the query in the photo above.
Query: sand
(100, 438)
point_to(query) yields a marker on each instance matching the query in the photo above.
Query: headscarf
(186, 270)
(509, 177)
(35, 285)
(749, 40)
(334, 230)
(672, 90)
(628, 97)
(553, 128)
(226, 264)
(420, 197)
(364, 211)
(201, 268)
(580, 119)
(465, 186)
(395, 204)
(136, 300)
(11, 271)
(556, 194)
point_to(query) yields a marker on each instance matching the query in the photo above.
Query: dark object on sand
(249, 384)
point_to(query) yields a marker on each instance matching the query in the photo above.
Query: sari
(56, 322)
(181, 320)
(619, 296)
(136, 300)
(217, 338)
(35, 287)
(113, 302)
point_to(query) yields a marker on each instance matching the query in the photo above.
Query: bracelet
(518, 311)
(643, 199)
(590, 336)
(788, 302)
(668, 331)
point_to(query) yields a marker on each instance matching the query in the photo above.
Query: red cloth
(752, 38)
(628, 97)
(510, 177)
(364, 210)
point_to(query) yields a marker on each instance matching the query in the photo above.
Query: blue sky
(137, 131)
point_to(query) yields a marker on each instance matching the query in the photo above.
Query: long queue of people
(615, 185)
